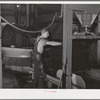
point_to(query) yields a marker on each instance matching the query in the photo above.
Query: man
(37, 64)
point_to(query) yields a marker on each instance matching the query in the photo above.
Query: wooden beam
(0, 53)
(19, 16)
(54, 80)
(98, 42)
(67, 43)
(91, 8)
(27, 14)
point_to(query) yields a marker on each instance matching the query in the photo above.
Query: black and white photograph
(49, 46)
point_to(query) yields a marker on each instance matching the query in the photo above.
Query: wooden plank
(0, 54)
(67, 43)
(90, 37)
(54, 80)
(64, 58)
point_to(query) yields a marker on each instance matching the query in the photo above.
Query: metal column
(67, 43)
(0, 53)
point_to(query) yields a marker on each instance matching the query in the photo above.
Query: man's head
(45, 33)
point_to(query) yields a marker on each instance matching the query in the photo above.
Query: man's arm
(53, 43)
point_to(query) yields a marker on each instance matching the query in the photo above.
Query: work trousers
(39, 77)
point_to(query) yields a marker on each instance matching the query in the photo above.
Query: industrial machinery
(85, 50)
(82, 59)
(18, 61)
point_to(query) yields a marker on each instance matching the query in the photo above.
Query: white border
(50, 2)
(49, 93)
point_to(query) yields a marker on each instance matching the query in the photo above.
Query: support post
(19, 15)
(98, 41)
(0, 52)
(67, 43)
(36, 15)
(27, 14)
